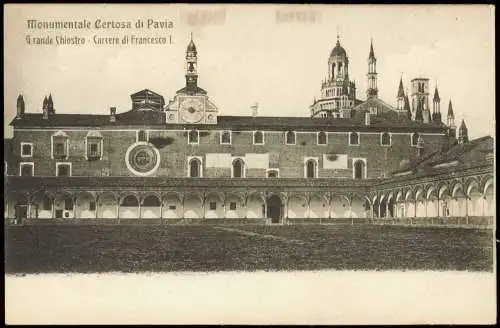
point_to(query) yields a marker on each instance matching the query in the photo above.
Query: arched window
(194, 168)
(333, 70)
(151, 201)
(193, 137)
(322, 138)
(142, 136)
(311, 169)
(359, 169)
(258, 138)
(238, 168)
(414, 139)
(385, 139)
(130, 201)
(353, 138)
(225, 137)
(290, 138)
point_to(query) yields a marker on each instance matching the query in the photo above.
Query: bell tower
(191, 66)
(372, 91)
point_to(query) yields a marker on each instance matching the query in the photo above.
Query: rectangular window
(225, 138)
(93, 150)
(213, 206)
(258, 138)
(63, 170)
(59, 149)
(26, 149)
(92, 206)
(193, 137)
(47, 205)
(68, 204)
(26, 169)
(232, 206)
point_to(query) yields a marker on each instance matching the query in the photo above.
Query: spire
(372, 53)
(44, 106)
(450, 110)
(191, 46)
(401, 91)
(463, 136)
(436, 95)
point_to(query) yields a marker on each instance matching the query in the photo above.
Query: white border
(316, 159)
(276, 170)
(294, 138)
(198, 137)
(317, 138)
(52, 144)
(189, 166)
(263, 137)
(31, 152)
(390, 139)
(365, 173)
(64, 163)
(221, 133)
(233, 159)
(131, 169)
(21, 164)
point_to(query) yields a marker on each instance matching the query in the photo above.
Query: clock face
(191, 110)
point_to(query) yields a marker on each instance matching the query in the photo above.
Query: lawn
(46, 249)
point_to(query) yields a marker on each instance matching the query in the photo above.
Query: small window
(290, 138)
(353, 139)
(93, 149)
(322, 138)
(232, 206)
(213, 206)
(26, 149)
(194, 168)
(311, 169)
(238, 168)
(68, 204)
(385, 139)
(172, 207)
(193, 137)
(92, 206)
(272, 174)
(142, 136)
(26, 169)
(414, 139)
(258, 138)
(59, 149)
(47, 204)
(225, 137)
(63, 170)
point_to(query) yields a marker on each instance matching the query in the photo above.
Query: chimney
(367, 118)
(20, 106)
(112, 114)
(254, 108)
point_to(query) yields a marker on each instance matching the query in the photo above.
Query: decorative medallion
(142, 158)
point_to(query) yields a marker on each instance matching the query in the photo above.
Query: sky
(275, 55)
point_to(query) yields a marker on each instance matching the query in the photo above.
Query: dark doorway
(274, 208)
(21, 212)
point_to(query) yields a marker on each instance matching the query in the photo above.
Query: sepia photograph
(249, 164)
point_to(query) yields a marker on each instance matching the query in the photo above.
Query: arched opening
(274, 208)
(489, 201)
(194, 168)
(359, 170)
(151, 207)
(311, 169)
(238, 168)
(353, 138)
(414, 139)
(258, 138)
(64, 207)
(322, 138)
(129, 201)
(272, 174)
(129, 208)
(290, 138)
(85, 206)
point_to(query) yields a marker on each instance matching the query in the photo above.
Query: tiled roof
(465, 155)
(387, 121)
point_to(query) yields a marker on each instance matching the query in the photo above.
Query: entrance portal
(274, 208)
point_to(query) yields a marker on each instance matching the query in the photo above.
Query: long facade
(181, 161)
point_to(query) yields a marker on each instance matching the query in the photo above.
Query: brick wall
(175, 150)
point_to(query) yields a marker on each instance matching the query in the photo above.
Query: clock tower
(191, 104)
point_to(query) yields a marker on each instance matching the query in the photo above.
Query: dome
(338, 50)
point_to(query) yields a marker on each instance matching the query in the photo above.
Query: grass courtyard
(139, 248)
